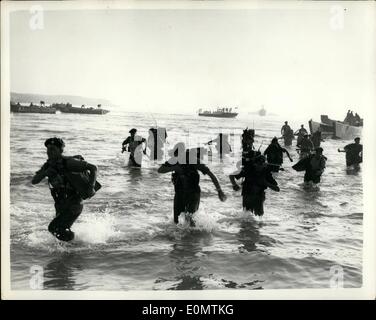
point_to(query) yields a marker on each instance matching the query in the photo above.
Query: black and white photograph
(188, 147)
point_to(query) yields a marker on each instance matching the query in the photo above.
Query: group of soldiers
(72, 179)
(353, 120)
(305, 142)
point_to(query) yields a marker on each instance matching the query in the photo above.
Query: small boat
(219, 113)
(68, 108)
(262, 112)
(32, 108)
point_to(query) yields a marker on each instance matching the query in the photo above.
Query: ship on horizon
(262, 111)
(219, 113)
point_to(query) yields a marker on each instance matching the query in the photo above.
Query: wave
(315, 214)
(55, 131)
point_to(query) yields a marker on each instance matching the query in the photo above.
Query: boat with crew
(337, 129)
(68, 108)
(31, 108)
(219, 113)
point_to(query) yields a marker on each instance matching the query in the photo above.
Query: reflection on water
(353, 171)
(185, 258)
(135, 174)
(60, 271)
(248, 235)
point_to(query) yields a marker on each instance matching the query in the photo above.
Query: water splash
(97, 228)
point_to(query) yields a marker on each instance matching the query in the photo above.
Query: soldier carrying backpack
(185, 167)
(71, 180)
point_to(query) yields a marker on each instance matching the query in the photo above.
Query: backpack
(79, 180)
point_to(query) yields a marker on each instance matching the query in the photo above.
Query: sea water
(126, 238)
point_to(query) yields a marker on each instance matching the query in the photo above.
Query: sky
(292, 60)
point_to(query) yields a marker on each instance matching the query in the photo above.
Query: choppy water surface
(126, 239)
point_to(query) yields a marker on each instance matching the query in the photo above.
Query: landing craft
(336, 129)
(31, 108)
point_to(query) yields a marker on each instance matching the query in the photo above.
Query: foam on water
(97, 228)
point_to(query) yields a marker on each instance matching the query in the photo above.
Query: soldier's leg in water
(316, 179)
(308, 183)
(307, 178)
(193, 205)
(179, 206)
(259, 204)
(66, 213)
(247, 202)
(132, 161)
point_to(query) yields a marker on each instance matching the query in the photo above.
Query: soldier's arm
(40, 174)
(167, 167)
(125, 142)
(235, 186)
(205, 170)
(270, 182)
(287, 153)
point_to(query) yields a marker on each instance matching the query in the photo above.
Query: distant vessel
(31, 108)
(219, 113)
(262, 112)
(336, 129)
(68, 108)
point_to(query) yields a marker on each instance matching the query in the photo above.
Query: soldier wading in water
(185, 165)
(256, 174)
(71, 179)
